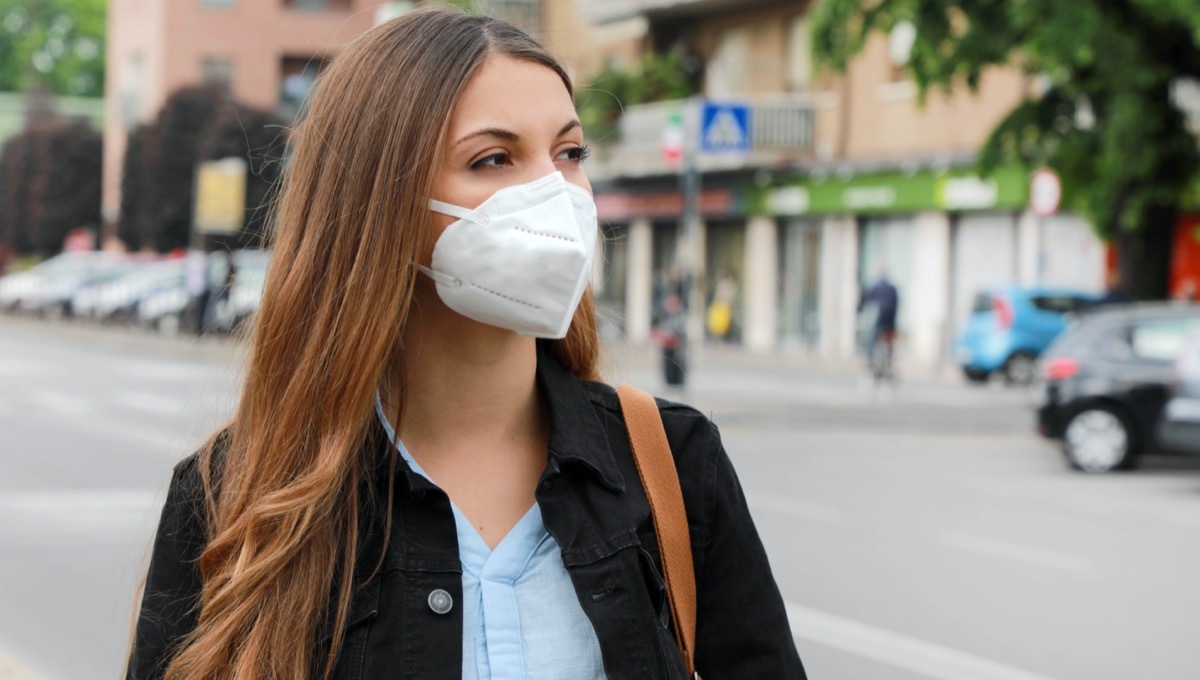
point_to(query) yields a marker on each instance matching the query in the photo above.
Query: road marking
(1017, 551)
(152, 403)
(897, 650)
(793, 507)
(62, 403)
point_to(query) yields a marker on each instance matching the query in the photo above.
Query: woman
(422, 479)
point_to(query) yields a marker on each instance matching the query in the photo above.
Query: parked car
(19, 291)
(49, 288)
(117, 300)
(1010, 328)
(1179, 425)
(169, 309)
(1107, 382)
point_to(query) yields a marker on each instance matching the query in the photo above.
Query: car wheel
(1020, 369)
(976, 376)
(1099, 439)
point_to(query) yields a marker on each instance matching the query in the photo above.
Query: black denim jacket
(594, 506)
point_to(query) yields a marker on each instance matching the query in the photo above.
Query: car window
(1160, 339)
(1058, 304)
(983, 303)
(1082, 304)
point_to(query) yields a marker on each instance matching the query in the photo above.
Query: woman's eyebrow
(509, 135)
(490, 132)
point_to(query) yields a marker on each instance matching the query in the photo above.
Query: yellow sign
(220, 196)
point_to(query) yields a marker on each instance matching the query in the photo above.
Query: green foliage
(50, 174)
(57, 45)
(1101, 71)
(657, 77)
(259, 137)
(158, 178)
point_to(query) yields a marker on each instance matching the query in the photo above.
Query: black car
(1179, 427)
(1107, 380)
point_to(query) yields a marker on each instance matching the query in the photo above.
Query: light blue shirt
(521, 617)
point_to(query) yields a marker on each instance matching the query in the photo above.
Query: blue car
(1009, 328)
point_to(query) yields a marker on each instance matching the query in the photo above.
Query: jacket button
(440, 602)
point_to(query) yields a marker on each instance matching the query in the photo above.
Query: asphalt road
(922, 532)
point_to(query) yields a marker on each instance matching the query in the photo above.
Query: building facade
(845, 178)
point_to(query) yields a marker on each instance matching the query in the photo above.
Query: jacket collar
(576, 433)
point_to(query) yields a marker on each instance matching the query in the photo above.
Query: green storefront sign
(1005, 189)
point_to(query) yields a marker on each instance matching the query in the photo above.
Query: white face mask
(521, 260)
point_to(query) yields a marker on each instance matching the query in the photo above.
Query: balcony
(782, 130)
(617, 10)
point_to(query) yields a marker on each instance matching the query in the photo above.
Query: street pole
(691, 219)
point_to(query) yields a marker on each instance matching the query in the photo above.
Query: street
(920, 532)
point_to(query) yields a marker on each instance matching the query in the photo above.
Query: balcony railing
(616, 10)
(782, 130)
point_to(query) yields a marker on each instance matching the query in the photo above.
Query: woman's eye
(495, 160)
(577, 154)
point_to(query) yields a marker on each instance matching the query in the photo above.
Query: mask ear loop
(459, 212)
(439, 277)
(462, 214)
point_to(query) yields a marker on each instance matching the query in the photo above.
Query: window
(217, 70)
(316, 5)
(132, 90)
(799, 54)
(1057, 304)
(298, 75)
(900, 45)
(1160, 339)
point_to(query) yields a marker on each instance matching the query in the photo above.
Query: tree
(57, 45)
(65, 186)
(135, 227)
(16, 169)
(656, 77)
(158, 175)
(1100, 109)
(50, 179)
(259, 137)
(173, 172)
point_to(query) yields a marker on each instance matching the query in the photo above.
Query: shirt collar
(576, 433)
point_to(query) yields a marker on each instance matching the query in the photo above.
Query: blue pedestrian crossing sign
(725, 127)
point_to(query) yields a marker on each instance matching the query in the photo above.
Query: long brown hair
(284, 498)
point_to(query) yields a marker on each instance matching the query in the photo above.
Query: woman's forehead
(510, 93)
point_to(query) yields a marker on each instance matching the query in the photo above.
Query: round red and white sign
(1045, 192)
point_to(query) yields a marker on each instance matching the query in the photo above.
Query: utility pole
(686, 255)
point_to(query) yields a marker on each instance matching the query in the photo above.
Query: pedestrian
(424, 478)
(880, 304)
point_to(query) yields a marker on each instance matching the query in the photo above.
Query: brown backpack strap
(656, 467)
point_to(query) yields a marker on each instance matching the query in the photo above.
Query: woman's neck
(464, 383)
